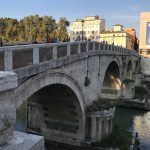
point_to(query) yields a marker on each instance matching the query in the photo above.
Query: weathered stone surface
(8, 80)
(71, 71)
(7, 120)
(145, 67)
(102, 123)
(24, 141)
(128, 90)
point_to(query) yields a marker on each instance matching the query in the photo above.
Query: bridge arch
(111, 85)
(109, 60)
(57, 80)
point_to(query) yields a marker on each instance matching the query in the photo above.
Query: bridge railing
(14, 57)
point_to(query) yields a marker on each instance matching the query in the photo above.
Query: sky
(125, 12)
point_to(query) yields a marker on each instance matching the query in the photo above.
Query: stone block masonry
(24, 141)
(8, 80)
(71, 64)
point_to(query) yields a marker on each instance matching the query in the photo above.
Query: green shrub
(118, 139)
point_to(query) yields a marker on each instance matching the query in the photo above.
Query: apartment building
(117, 36)
(88, 28)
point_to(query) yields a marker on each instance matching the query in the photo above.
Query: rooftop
(88, 18)
(118, 25)
(113, 32)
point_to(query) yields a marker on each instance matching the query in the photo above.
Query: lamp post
(47, 30)
(82, 21)
(113, 39)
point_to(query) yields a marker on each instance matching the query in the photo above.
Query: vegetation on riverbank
(119, 138)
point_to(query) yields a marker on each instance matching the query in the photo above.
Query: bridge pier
(99, 122)
(7, 121)
(128, 90)
(8, 81)
(10, 140)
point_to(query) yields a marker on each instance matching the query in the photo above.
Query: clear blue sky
(125, 12)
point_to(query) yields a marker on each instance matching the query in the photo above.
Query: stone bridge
(74, 75)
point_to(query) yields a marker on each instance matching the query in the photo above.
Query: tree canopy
(33, 27)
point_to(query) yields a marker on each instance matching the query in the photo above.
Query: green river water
(129, 119)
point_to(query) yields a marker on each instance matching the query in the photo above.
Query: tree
(63, 23)
(32, 28)
(8, 29)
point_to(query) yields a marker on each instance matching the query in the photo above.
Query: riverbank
(134, 103)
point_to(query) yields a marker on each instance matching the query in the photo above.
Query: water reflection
(129, 119)
(137, 121)
(142, 125)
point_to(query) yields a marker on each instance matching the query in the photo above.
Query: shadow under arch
(111, 88)
(129, 70)
(57, 82)
(136, 68)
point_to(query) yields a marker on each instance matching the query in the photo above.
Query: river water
(129, 119)
(137, 121)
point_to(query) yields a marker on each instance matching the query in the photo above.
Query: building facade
(144, 39)
(132, 33)
(87, 28)
(117, 36)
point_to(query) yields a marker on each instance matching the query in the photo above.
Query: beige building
(144, 39)
(117, 36)
(87, 28)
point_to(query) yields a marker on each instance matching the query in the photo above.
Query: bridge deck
(19, 56)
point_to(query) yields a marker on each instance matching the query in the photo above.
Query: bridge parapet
(14, 57)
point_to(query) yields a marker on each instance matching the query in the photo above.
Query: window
(148, 34)
(97, 37)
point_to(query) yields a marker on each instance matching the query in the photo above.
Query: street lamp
(113, 39)
(82, 21)
(47, 30)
